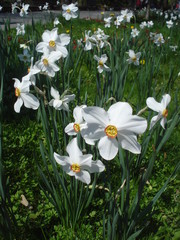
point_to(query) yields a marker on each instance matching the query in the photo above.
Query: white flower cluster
(53, 47)
(23, 8)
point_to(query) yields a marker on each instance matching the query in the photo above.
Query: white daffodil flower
(45, 7)
(54, 42)
(59, 102)
(79, 124)
(13, 7)
(24, 10)
(101, 63)
(150, 24)
(25, 57)
(169, 23)
(56, 22)
(88, 41)
(99, 38)
(1, 8)
(69, 11)
(107, 22)
(134, 57)
(20, 29)
(115, 127)
(125, 16)
(143, 25)
(78, 165)
(158, 39)
(117, 22)
(47, 63)
(161, 108)
(24, 96)
(134, 32)
(32, 70)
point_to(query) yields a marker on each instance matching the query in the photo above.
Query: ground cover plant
(93, 150)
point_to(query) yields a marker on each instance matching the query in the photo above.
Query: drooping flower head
(59, 102)
(24, 10)
(161, 108)
(78, 165)
(24, 96)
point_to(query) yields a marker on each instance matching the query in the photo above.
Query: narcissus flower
(54, 42)
(32, 71)
(56, 21)
(107, 22)
(134, 57)
(161, 108)
(20, 29)
(25, 57)
(101, 63)
(59, 102)
(69, 11)
(79, 124)
(134, 32)
(78, 165)
(169, 23)
(24, 10)
(115, 127)
(158, 39)
(47, 63)
(24, 96)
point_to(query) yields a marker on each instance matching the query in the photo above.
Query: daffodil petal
(153, 104)
(129, 142)
(83, 176)
(108, 148)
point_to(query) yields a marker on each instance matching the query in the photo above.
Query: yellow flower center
(52, 43)
(165, 113)
(76, 127)
(132, 27)
(75, 167)
(29, 70)
(68, 10)
(111, 131)
(134, 58)
(17, 92)
(101, 63)
(45, 61)
(159, 39)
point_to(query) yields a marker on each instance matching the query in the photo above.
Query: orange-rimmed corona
(45, 61)
(76, 127)
(17, 92)
(101, 64)
(111, 131)
(52, 43)
(165, 113)
(75, 168)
